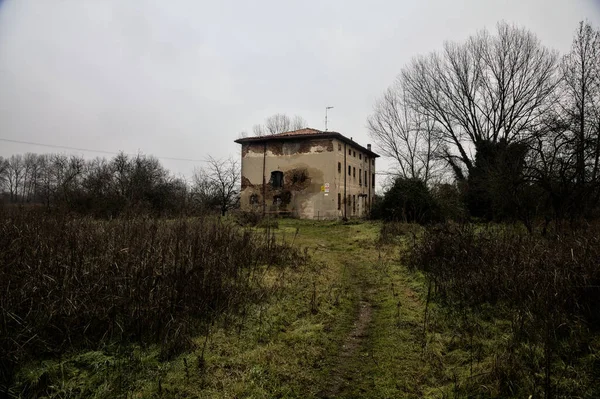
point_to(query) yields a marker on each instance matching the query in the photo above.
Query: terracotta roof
(306, 133)
(299, 132)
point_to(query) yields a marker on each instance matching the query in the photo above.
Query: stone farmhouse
(307, 173)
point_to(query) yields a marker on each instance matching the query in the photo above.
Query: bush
(247, 218)
(392, 230)
(408, 200)
(448, 199)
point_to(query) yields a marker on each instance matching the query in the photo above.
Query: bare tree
(581, 100)
(217, 184)
(564, 159)
(14, 176)
(3, 174)
(488, 89)
(31, 177)
(279, 123)
(406, 135)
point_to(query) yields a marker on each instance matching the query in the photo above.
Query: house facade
(307, 173)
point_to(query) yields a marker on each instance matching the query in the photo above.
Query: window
(349, 200)
(349, 151)
(354, 172)
(277, 179)
(349, 170)
(339, 201)
(359, 156)
(373, 161)
(354, 154)
(360, 177)
(373, 179)
(354, 204)
(339, 147)
(366, 183)
(339, 167)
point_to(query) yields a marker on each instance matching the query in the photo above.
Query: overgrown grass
(522, 309)
(282, 331)
(77, 283)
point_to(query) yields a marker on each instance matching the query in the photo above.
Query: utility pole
(326, 109)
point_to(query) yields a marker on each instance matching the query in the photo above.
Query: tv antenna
(326, 109)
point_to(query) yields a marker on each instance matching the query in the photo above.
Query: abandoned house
(307, 173)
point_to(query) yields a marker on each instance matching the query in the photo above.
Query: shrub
(408, 200)
(392, 230)
(247, 218)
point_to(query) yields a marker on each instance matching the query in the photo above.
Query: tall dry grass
(548, 287)
(69, 282)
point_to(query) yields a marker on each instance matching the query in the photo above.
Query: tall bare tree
(581, 100)
(15, 176)
(490, 88)
(405, 135)
(564, 159)
(3, 174)
(279, 123)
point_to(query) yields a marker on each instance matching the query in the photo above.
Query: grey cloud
(183, 78)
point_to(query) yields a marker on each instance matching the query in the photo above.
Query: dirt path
(346, 370)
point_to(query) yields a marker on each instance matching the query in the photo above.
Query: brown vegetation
(547, 287)
(78, 282)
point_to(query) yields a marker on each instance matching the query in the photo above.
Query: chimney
(369, 147)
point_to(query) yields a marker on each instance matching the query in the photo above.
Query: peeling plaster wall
(307, 165)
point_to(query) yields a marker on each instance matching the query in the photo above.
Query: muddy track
(345, 372)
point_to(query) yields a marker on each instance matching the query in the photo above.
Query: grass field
(297, 343)
(349, 323)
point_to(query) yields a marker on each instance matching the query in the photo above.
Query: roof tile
(299, 132)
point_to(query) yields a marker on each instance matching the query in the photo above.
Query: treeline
(110, 188)
(511, 124)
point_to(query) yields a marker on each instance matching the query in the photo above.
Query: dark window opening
(366, 184)
(339, 147)
(354, 172)
(339, 201)
(349, 170)
(349, 200)
(339, 167)
(373, 179)
(359, 156)
(360, 177)
(354, 155)
(349, 152)
(354, 204)
(253, 199)
(277, 179)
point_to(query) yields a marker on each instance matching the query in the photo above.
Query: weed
(69, 283)
(547, 288)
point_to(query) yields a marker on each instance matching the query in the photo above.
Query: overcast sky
(182, 78)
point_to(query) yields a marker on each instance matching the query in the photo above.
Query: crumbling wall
(303, 164)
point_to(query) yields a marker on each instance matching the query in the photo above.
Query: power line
(63, 147)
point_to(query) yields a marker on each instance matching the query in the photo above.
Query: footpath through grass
(347, 324)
